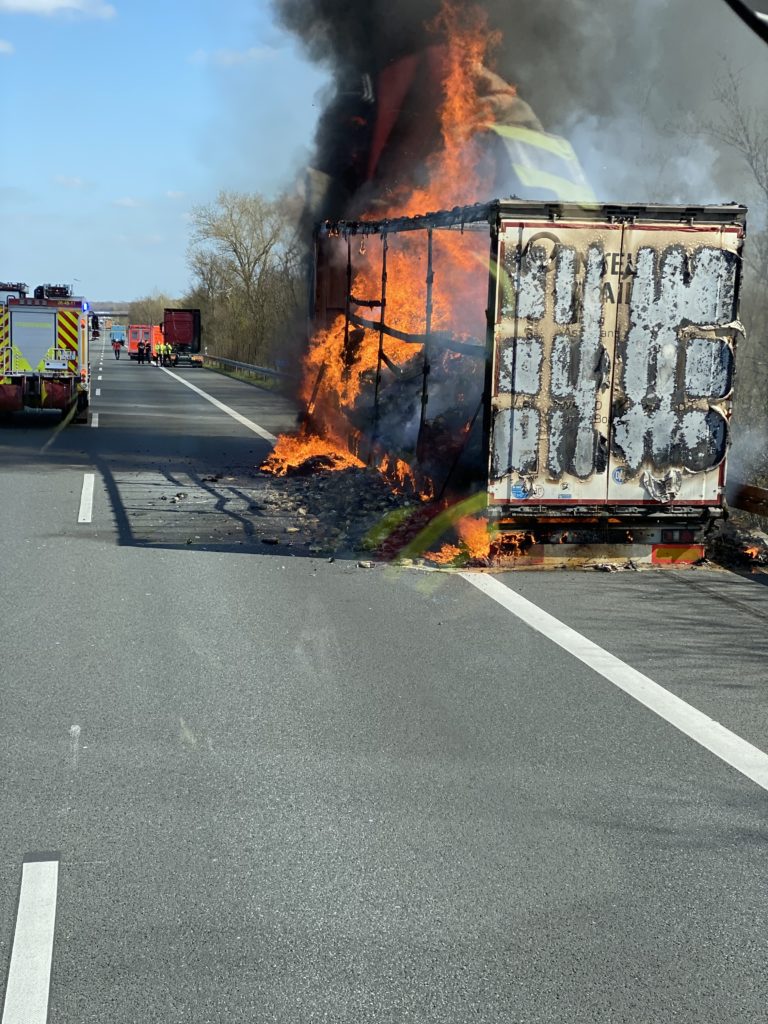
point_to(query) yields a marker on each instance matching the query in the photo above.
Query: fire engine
(44, 343)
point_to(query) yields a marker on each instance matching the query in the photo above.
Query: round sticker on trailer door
(619, 475)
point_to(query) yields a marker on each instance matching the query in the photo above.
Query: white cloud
(6, 48)
(128, 202)
(173, 194)
(48, 8)
(232, 58)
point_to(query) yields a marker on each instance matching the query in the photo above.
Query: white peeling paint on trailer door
(674, 364)
(558, 291)
(33, 335)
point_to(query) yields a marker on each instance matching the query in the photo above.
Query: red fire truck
(44, 345)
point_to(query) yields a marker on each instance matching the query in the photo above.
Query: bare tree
(741, 127)
(245, 263)
(149, 308)
(743, 130)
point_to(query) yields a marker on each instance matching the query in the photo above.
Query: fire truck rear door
(33, 335)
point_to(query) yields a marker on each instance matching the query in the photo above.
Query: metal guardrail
(260, 371)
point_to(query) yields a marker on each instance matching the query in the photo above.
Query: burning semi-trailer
(572, 365)
(554, 371)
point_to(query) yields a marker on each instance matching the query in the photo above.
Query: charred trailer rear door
(611, 353)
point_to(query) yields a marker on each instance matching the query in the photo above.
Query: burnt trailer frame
(369, 446)
(662, 372)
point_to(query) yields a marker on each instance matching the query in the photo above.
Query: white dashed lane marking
(85, 515)
(29, 974)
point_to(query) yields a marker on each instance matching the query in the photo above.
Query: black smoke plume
(617, 77)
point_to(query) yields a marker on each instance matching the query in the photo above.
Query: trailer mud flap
(11, 398)
(54, 395)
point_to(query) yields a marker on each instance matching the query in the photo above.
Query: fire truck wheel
(81, 415)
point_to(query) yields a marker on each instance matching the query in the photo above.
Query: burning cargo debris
(306, 453)
(740, 544)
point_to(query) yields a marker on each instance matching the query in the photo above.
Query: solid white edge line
(735, 751)
(224, 408)
(94, 419)
(29, 975)
(85, 515)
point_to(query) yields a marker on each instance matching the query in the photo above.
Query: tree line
(249, 279)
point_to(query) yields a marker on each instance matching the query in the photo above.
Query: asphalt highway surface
(244, 783)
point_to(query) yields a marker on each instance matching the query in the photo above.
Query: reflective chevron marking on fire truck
(5, 347)
(67, 327)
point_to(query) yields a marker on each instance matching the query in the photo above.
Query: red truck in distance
(182, 330)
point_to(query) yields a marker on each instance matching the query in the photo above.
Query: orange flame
(447, 554)
(517, 543)
(454, 173)
(341, 364)
(752, 552)
(402, 478)
(475, 534)
(292, 451)
(475, 541)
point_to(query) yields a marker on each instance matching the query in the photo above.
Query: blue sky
(119, 117)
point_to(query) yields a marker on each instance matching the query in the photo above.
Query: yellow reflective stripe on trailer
(562, 187)
(546, 162)
(552, 143)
